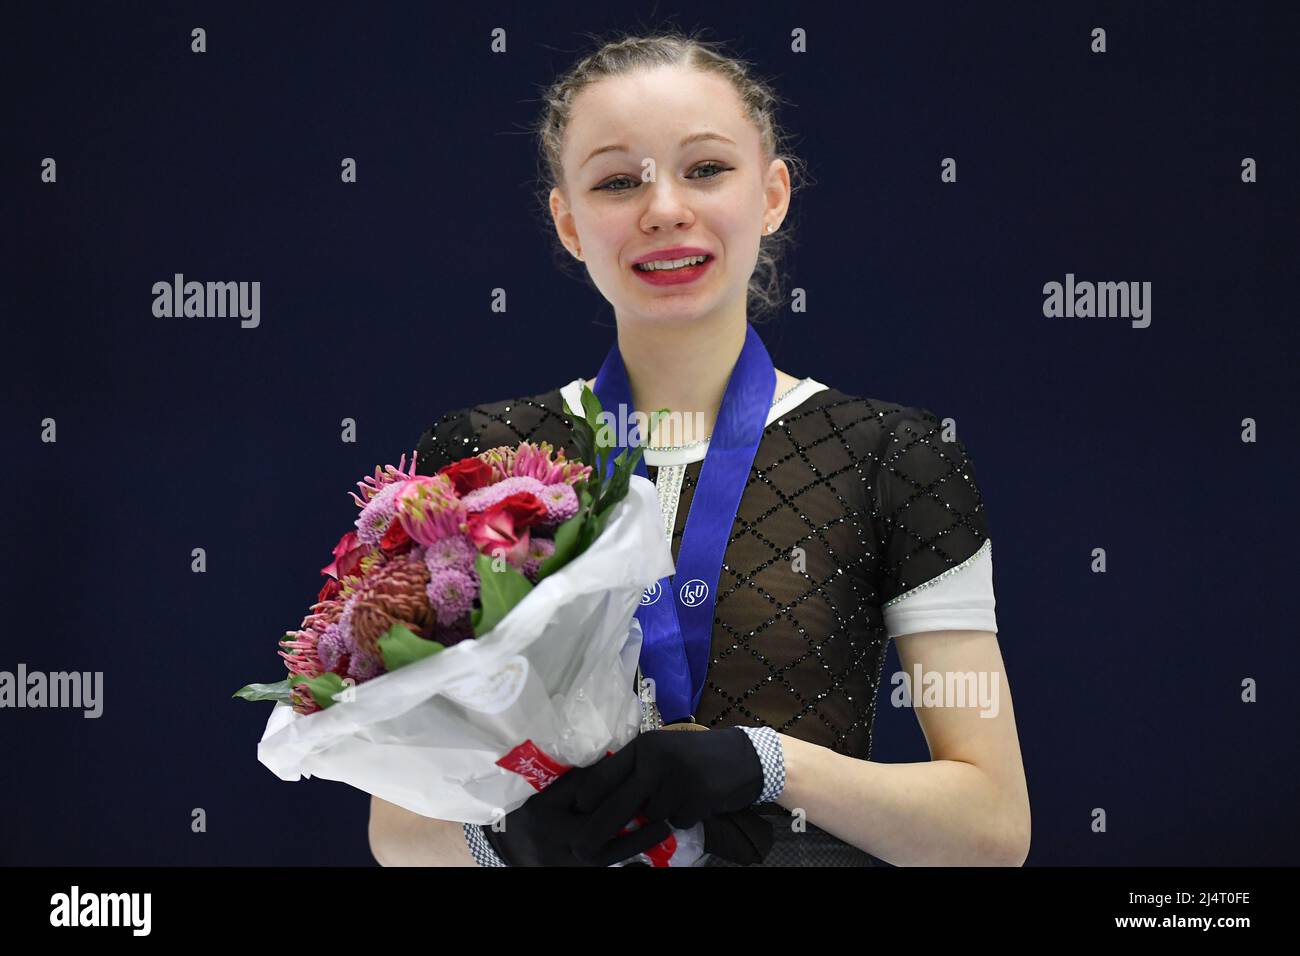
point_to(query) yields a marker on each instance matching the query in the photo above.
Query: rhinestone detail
(985, 548)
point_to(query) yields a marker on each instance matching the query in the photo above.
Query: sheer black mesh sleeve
(468, 431)
(443, 442)
(929, 511)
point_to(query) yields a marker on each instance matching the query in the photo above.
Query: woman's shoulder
(901, 450)
(866, 423)
(475, 428)
(918, 467)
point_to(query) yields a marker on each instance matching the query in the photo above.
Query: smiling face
(713, 192)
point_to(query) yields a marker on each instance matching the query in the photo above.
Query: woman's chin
(674, 304)
(677, 313)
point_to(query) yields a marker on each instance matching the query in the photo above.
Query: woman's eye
(606, 186)
(717, 168)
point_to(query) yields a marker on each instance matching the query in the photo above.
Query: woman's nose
(666, 206)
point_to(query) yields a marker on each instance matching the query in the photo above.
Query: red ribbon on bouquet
(541, 770)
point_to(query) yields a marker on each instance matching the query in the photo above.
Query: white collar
(790, 399)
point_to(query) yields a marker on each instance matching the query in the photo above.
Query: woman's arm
(967, 806)
(399, 837)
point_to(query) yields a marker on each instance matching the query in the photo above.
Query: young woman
(828, 523)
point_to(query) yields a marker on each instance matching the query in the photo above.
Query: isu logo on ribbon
(694, 592)
(651, 594)
(675, 645)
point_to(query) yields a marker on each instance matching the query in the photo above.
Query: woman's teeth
(666, 264)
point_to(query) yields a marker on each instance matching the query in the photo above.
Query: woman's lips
(674, 276)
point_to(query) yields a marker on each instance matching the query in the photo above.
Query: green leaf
(590, 406)
(604, 433)
(584, 442)
(499, 592)
(277, 691)
(598, 523)
(615, 489)
(584, 436)
(637, 452)
(401, 646)
(322, 688)
(586, 498)
(590, 530)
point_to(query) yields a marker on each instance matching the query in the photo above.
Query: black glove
(541, 831)
(675, 778)
(744, 836)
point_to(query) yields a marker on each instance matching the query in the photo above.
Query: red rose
(468, 474)
(331, 588)
(525, 507)
(503, 528)
(347, 555)
(395, 538)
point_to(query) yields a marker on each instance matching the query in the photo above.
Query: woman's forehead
(656, 108)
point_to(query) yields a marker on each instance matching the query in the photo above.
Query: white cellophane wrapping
(558, 670)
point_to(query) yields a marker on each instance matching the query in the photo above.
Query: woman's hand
(673, 779)
(541, 831)
(743, 837)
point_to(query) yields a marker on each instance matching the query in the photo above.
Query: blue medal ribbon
(676, 612)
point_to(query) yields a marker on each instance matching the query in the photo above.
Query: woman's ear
(776, 192)
(564, 226)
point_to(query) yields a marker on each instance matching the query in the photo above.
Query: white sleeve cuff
(959, 599)
(767, 744)
(479, 847)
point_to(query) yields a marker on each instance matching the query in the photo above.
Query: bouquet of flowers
(475, 636)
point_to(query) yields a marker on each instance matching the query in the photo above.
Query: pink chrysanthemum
(539, 549)
(377, 514)
(430, 509)
(561, 503)
(371, 486)
(363, 667)
(483, 498)
(534, 461)
(345, 622)
(454, 552)
(451, 593)
(332, 647)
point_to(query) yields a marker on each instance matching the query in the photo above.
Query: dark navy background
(183, 433)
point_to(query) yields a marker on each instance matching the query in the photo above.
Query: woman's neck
(684, 369)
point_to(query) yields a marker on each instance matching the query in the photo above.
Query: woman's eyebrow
(620, 147)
